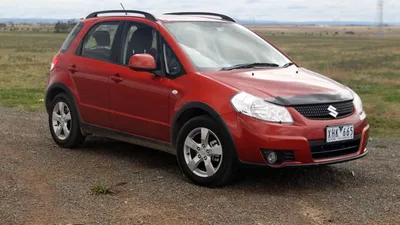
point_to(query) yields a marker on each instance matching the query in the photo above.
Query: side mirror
(143, 62)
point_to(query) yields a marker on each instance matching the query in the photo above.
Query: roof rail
(204, 14)
(146, 14)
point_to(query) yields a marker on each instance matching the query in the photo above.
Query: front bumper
(342, 160)
(252, 137)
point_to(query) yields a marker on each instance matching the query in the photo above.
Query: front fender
(210, 111)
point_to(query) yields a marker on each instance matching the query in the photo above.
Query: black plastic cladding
(321, 150)
(309, 99)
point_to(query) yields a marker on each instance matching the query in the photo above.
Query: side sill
(133, 139)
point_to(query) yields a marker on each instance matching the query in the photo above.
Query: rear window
(71, 36)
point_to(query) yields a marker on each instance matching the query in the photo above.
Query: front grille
(320, 111)
(321, 150)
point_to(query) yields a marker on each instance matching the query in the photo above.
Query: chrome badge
(332, 111)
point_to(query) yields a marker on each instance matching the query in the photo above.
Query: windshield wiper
(250, 65)
(288, 64)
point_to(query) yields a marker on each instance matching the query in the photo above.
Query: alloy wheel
(61, 120)
(203, 152)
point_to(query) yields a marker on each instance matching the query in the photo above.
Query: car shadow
(255, 178)
(136, 154)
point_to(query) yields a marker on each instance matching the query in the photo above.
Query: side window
(172, 65)
(139, 38)
(71, 36)
(99, 41)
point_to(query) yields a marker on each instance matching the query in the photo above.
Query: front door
(139, 100)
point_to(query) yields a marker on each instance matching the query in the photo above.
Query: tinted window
(99, 41)
(71, 36)
(139, 38)
(172, 64)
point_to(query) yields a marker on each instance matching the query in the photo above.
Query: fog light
(272, 157)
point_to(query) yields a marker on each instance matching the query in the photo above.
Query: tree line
(59, 27)
(64, 27)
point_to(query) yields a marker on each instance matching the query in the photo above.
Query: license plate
(339, 133)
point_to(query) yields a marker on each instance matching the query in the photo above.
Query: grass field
(368, 65)
(24, 64)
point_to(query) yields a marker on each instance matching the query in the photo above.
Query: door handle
(117, 78)
(73, 69)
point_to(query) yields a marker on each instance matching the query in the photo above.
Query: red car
(202, 87)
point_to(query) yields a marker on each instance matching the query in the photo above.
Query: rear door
(91, 68)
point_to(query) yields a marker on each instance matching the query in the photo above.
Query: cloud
(282, 10)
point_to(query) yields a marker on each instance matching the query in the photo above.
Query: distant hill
(312, 23)
(245, 22)
(31, 20)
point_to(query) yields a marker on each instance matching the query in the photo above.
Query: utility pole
(380, 19)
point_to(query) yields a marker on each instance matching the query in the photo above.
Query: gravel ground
(41, 183)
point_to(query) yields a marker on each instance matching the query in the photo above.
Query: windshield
(212, 46)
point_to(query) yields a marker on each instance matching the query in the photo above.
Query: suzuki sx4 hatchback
(202, 87)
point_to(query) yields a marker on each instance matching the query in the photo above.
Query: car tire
(208, 161)
(64, 122)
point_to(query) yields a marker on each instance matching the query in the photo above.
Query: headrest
(102, 38)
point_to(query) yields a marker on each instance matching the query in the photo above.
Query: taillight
(54, 63)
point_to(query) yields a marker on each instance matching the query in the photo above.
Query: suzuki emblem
(332, 111)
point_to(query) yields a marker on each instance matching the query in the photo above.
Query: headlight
(358, 105)
(258, 108)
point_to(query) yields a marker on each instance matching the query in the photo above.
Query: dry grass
(344, 31)
(368, 65)
(24, 64)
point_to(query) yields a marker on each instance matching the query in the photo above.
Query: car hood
(285, 86)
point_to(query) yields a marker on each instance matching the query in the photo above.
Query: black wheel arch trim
(59, 85)
(207, 108)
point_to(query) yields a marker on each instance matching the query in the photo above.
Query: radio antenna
(123, 8)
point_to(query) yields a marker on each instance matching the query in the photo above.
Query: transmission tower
(380, 19)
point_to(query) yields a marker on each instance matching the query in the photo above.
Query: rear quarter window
(71, 36)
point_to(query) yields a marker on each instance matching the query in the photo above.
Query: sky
(273, 10)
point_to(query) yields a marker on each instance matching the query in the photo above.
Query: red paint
(251, 134)
(141, 103)
(142, 61)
